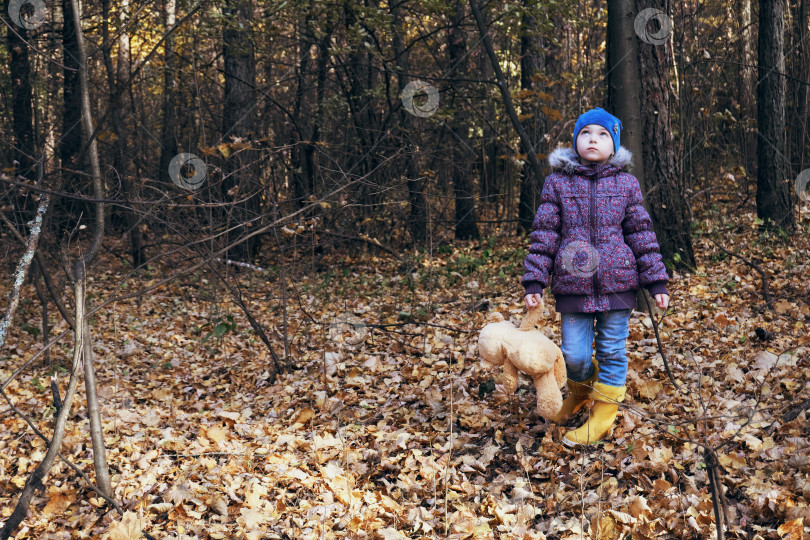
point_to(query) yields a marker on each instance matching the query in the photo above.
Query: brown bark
(303, 151)
(239, 122)
(775, 204)
(21, 94)
(664, 191)
(747, 91)
(490, 184)
(417, 222)
(463, 191)
(118, 78)
(168, 136)
(99, 457)
(624, 86)
(532, 64)
(801, 74)
(70, 141)
(360, 74)
(92, 147)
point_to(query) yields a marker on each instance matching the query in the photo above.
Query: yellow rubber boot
(606, 401)
(579, 394)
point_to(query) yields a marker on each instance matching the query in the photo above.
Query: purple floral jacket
(594, 236)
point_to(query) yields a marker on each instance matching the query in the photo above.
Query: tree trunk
(99, 454)
(774, 201)
(21, 95)
(22, 270)
(303, 148)
(747, 87)
(71, 141)
(168, 137)
(463, 191)
(94, 416)
(35, 481)
(624, 86)
(359, 71)
(117, 80)
(532, 64)
(417, 222)
(87, 130)
(801, 74)
(320, 92)
(664, 192)
(488, 184)
(526, 143)
(238, 122)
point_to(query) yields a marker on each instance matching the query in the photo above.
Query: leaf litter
(390, 436)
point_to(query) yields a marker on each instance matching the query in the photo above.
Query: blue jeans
(612, 329)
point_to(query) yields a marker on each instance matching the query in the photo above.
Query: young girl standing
(594, 236)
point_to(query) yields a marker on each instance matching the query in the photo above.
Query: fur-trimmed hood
(566, 159)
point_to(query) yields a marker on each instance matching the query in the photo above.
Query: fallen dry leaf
(792, 530)
(128, 527)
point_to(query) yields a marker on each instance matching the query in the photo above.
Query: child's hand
(533, 300)
(662, 300)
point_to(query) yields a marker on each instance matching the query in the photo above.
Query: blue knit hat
(602, 118)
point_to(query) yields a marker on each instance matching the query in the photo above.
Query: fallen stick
(660, 345)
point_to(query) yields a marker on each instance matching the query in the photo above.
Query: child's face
(594, 144)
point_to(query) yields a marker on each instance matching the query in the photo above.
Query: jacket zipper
(591, 218)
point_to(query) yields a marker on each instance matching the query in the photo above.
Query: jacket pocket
(617, 254)
(577, 258)
(574, 266)
(619, 273)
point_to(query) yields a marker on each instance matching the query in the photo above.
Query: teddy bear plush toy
(526, 350)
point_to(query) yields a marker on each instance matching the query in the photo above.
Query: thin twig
(718, 499)
(366, 239)
(35, 480)
(112, 502)
(660, 346)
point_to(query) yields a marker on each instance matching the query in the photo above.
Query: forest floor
(384, 427)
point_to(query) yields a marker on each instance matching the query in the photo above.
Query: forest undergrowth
(387, 426)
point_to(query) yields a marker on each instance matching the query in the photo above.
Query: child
(592, 233)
